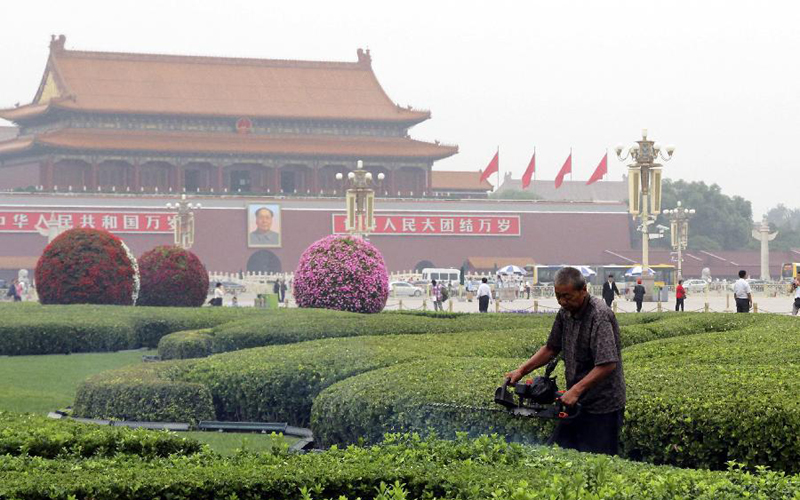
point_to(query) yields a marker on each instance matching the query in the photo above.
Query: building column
(428, 180)
(314, 172)
(180, 183)
(46, 174)
(276, 179)
(390, 182)
(137, 176)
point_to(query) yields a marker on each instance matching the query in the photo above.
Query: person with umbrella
(609, 290)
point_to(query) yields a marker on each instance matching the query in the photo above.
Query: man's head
(484, 280)
(639, 281)
(570, 288)
(610, 278)
(680, 282)
(433, 282)
(742, 274)
(264, 219)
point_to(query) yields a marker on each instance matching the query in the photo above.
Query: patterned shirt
(587, 339)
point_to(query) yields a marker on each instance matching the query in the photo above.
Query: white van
(445, 275)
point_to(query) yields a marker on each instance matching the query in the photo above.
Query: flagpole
(604, 175)
(572, 160)
(498, 167)
(534, 171)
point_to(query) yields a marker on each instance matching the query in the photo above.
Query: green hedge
(31, 328)
(404, 467)
(185, 345)
(36, 436)
(147, 392)
(697, 406)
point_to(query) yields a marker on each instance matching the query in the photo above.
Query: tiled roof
(232, 143)
(213, 86)
(458, 181)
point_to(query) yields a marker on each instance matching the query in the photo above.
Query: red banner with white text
(439, 225)
(36, 221)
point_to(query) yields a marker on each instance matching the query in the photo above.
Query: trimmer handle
(567, 412)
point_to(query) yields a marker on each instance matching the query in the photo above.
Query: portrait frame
(257, 237)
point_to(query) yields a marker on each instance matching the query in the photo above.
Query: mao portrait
(263, 226)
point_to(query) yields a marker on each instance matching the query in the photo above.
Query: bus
(447, 275)
(790, 271)
(664, 273)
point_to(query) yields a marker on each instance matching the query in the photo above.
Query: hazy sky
(718, 79)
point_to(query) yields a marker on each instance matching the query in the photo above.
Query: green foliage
(403, 467)
(787, 222)
(35, 329)
(185, 345)
(35, 436)
(150, 392)
(722, 222)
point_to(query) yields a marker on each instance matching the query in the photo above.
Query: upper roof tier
(105, 82)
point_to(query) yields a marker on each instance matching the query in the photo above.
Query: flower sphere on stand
(344, 273)
(172, 276)
(87, 266)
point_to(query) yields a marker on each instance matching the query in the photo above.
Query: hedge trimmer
(538, 397)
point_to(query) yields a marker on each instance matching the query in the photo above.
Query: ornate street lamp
(679, 227)
(360, 200)
(184, 222)
(644, 190)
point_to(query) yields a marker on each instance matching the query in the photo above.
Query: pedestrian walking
(436, 293)
(680, 296)
(484, 293)
(638, 295)
(283, 290)
(13, 292)
(742, 293)
(609, 290)
(527, 290)
(219, 293)
(796, 290)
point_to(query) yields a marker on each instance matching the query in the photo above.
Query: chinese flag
(526, 177)
(493, 167)
(565, 169)
(600, 171)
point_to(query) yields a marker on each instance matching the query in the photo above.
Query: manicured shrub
(404, 467)
(36, 436)
(185, 345)
(148, 392)
(342, 273)
(172, 276)
(87, 266)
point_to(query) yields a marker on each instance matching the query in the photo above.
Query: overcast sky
(718, 79)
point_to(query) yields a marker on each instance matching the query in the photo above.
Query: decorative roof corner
(364, 58)
(57, 43)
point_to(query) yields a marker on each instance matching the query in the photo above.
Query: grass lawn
(39, 384)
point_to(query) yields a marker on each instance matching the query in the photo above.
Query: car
(695, 285)
(404, 289)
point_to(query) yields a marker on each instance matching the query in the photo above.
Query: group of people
(16, 290)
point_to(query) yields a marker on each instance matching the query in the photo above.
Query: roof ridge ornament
(364, 58)
(57, 43)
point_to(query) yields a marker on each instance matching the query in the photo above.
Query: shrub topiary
(87, 266)
(172, 276)
(344, 273)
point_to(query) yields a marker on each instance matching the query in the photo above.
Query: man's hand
(515, 375)
(570, 398)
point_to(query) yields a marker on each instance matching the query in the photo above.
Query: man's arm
(616, 290)
(541, 358)
(597, 374)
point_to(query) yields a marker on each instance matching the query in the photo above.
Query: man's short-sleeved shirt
(587, 339)
(484, 290)
(741, 288)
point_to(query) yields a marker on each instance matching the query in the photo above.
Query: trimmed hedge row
(280, 382)
(404, 467)
(35, 436)
(147, 392)
(698, 410)
(35, 329)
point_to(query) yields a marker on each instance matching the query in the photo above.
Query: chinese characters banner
(439, 225)
(35, 221)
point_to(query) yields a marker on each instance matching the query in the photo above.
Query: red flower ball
(172, 276)
(86, 266)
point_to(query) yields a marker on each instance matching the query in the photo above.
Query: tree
(721, 223)
(787, 222)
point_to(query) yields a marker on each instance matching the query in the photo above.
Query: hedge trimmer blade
(465, 407)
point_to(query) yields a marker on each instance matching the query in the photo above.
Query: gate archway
(264, 261)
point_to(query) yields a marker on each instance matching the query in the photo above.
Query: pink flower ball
(344, 273)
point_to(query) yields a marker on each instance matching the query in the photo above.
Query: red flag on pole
(526, 177)
(494, 166)
(600, 171)
(565, 169)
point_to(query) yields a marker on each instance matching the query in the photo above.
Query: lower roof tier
(217, 143)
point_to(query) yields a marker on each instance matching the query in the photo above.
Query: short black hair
(484, 280)
(433, 282)
(218, 284)
(680, 282)
(742, 273)
(570, 276)
(610, 275)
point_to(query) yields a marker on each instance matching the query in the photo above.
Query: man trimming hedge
(586, 331)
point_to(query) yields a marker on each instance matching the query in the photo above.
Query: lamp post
(644, 191)
(360, 200)
(184, 222)
(679, 229)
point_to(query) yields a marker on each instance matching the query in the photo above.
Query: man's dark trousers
(742, 305)
(483, 303)
(639, 305)
(590, 432)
